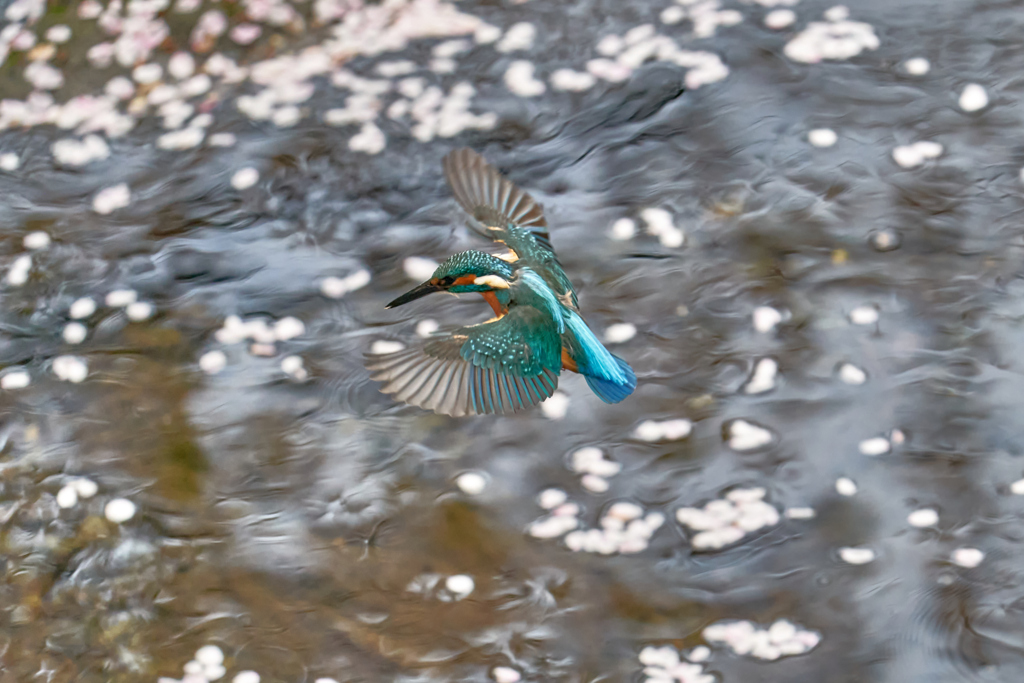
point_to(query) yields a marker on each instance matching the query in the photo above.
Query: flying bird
(514, 360)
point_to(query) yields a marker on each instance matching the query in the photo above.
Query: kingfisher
(512, 361)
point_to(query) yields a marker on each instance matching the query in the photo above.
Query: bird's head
(468, 271)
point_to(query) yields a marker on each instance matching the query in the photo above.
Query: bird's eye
(447, 281)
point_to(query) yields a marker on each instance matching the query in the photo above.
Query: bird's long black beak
(413, 294)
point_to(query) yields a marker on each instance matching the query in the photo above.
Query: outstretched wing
(500, 366)
(504, 213)
(494, 201)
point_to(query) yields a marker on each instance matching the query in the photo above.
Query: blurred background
(799, 222)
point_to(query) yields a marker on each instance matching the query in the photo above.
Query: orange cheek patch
(464, 280)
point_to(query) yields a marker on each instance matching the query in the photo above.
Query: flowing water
(285, 511)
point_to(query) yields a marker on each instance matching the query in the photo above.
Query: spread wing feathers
(496, 367)
(494, 201)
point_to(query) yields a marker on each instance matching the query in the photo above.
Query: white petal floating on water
(74, 333)
(918, 66)
(370, 139)
(551, 498)
(594, 483)
(85, 488)
(885, 239)
(878, 445)
(623, 229)
(625, 511)
(181, 65)
(460, 584)
(973, 98)
(293, 367)
(556, 406)
(747, 436)
(15, 379)
(147, 73)
(1017, 487)
(610, 45)
(213, 362)
(67, 497)
(699, 654)
(928, 149)
(553, 526)
(246, 677)
(244, 178)
(60, 33)
(505, 674)
(837, 13)
(667, 430)
(967, 557)
(337, 287)
(864, 315)
(139, 311)
(286, 116)
(822, 137)
(119, 298)
(471, 483)
(71, 152)
(924, 517)
(288, 328)
(572, 81)
(520, 80)
(592, 460)
(620, 333)
(221, 140)
(82, 308)
(779, 19)
(851, 374)
(19, 271)
(907, 156)
(766, 318)
(36, 240)
(846, 486)
(800, 513)
(9, 162)
(763, 378)
(187, 138)
(608, 70)
(518, 37)
(119, 510)
(857, 555)
(486, 34)
(209, 655)
(672, 15)
(426, 328)
(663, 657)
(111, 199)
(383, 346)
(70, 369)
(418, 268)
(660, 223)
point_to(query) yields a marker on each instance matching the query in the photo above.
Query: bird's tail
(607, 375)
(613, 392)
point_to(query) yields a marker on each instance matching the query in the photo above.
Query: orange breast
(567, 362)
(490, 298)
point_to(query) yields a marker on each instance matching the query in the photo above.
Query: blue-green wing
(501, 366)
(504, 213)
